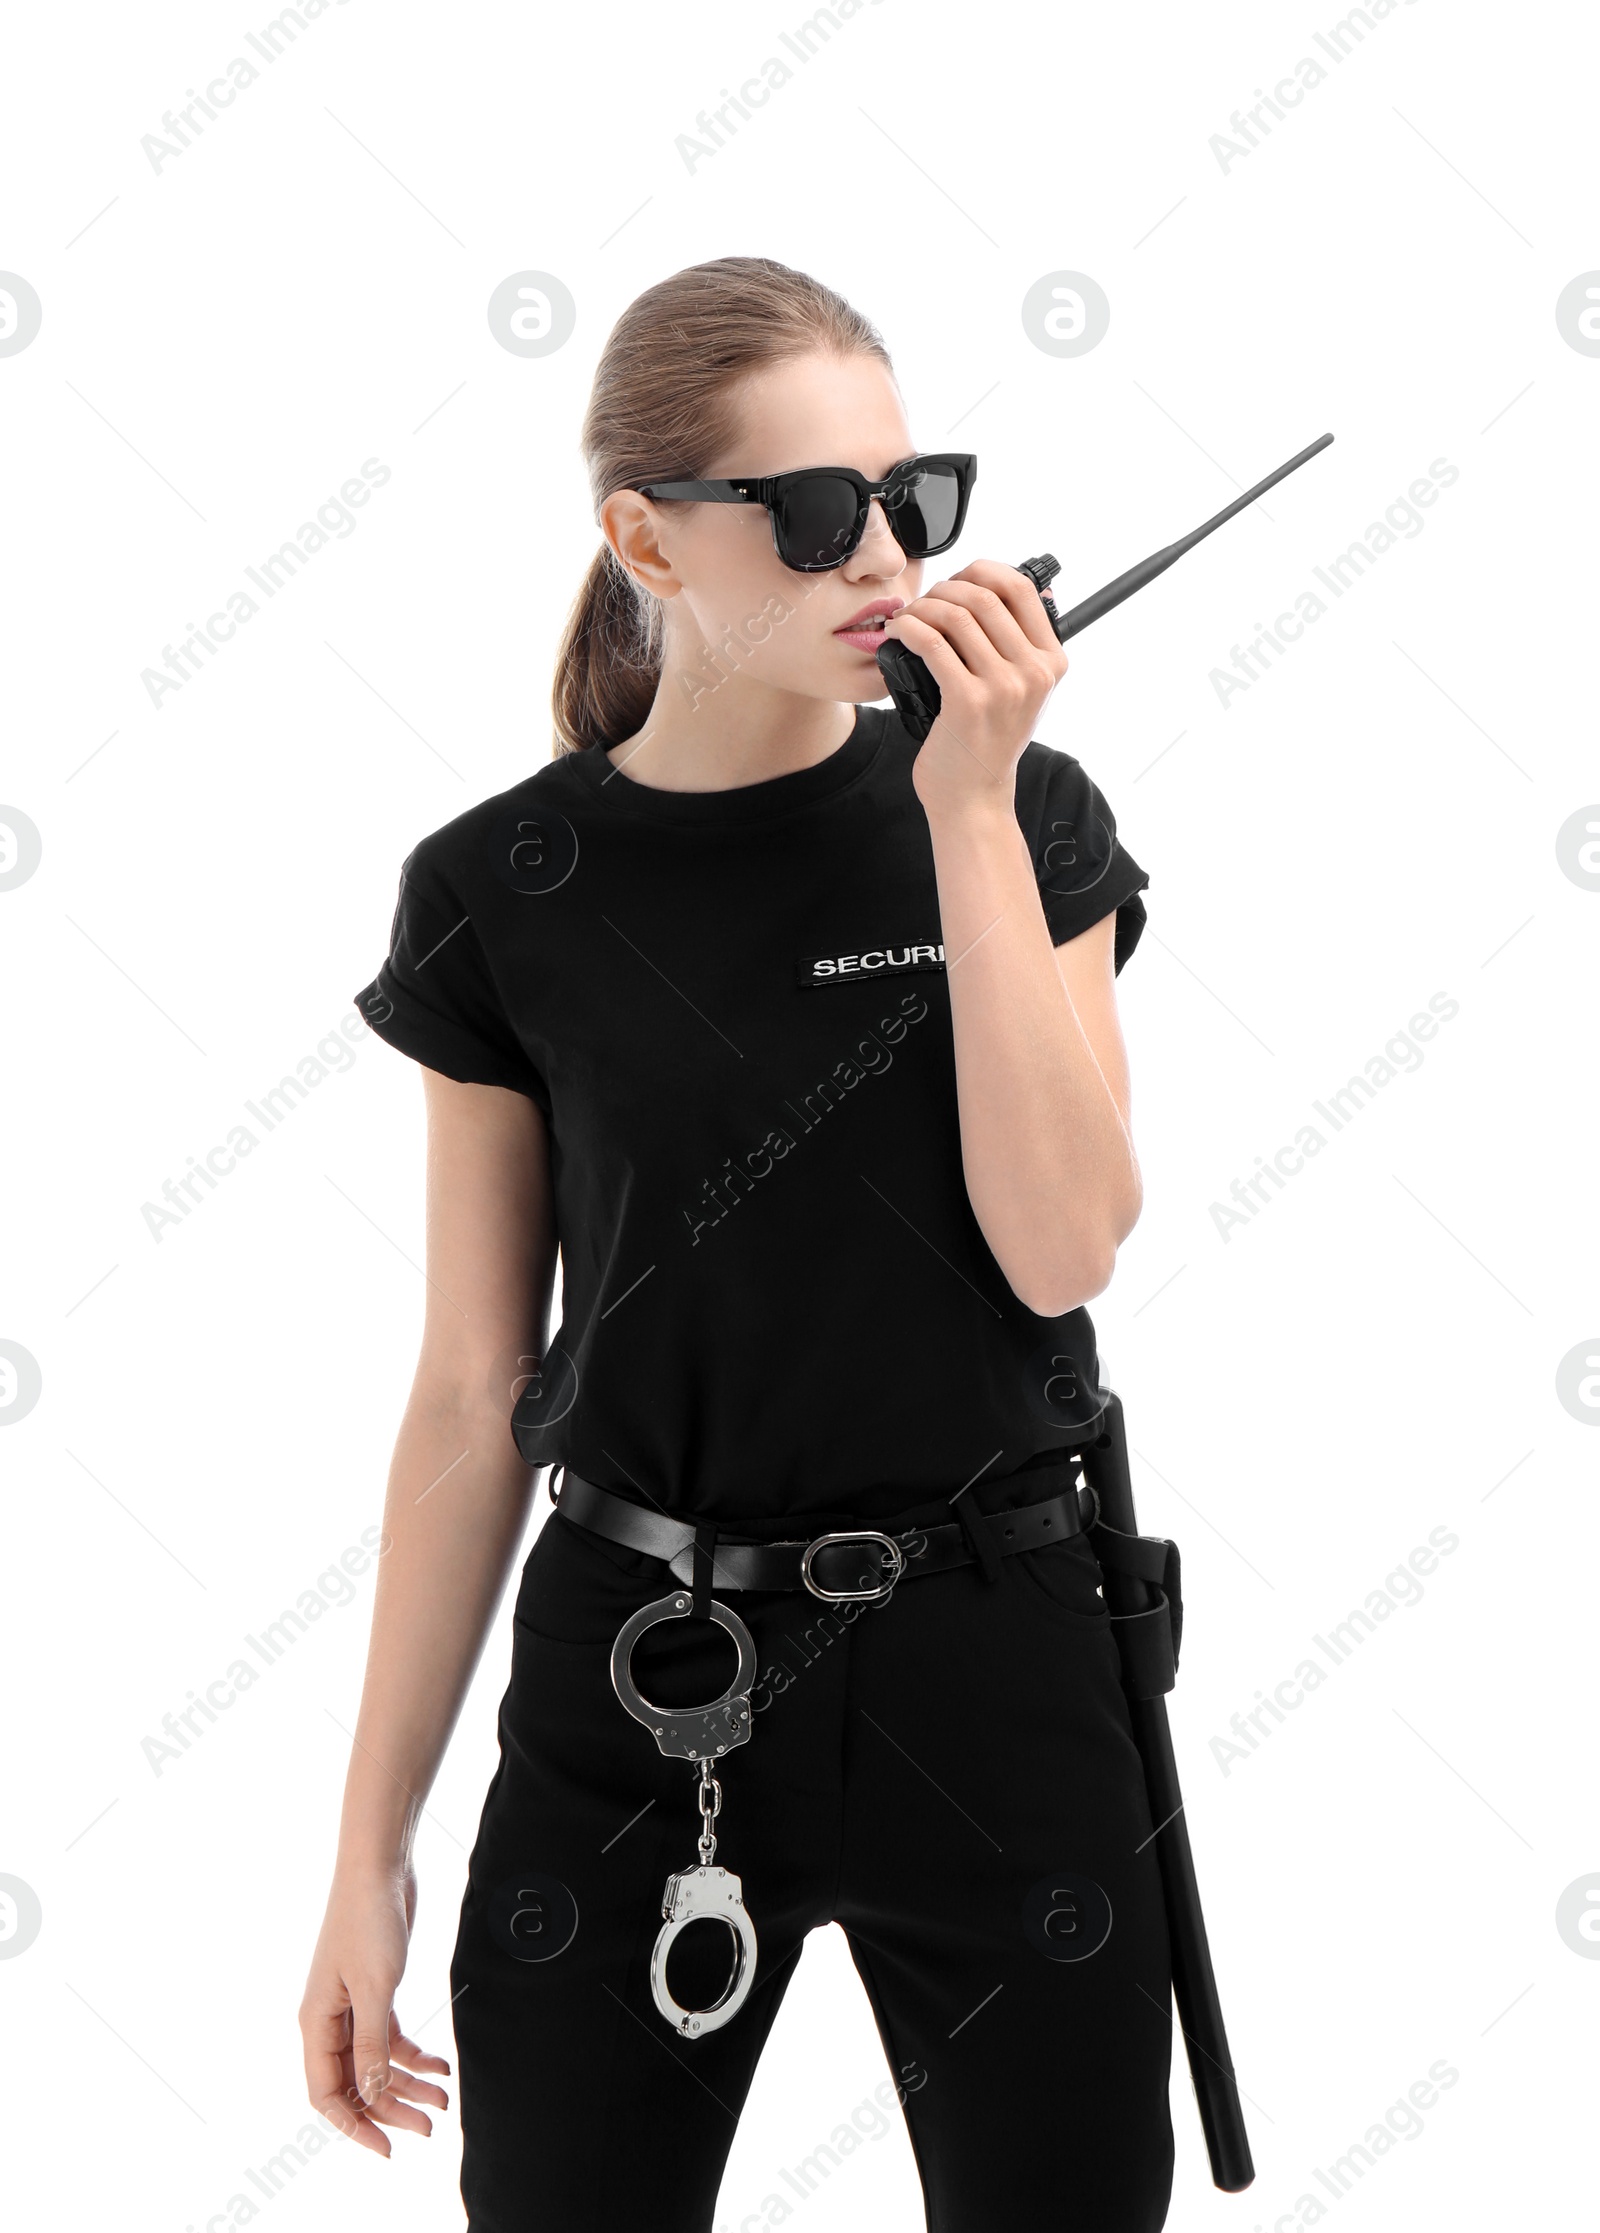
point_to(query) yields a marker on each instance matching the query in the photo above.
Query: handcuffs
(703, 1734)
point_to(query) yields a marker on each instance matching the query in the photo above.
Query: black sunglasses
(819, 514)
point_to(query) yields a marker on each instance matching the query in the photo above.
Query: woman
(801, 1042)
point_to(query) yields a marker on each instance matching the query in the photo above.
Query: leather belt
(851, 1564)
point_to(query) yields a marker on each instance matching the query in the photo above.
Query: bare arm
(1041, 1070)
(456, 1508)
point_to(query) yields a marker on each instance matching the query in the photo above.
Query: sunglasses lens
(925, 511)
(816, 523)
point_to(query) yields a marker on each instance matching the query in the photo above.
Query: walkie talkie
(912, 687)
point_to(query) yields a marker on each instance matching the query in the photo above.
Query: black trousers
(949, 1775)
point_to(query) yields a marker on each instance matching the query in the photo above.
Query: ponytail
(664, 405)
(609, 659)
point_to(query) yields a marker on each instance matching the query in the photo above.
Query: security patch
(874, 961)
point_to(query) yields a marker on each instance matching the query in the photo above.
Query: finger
(325, 2073)
(388, 2109)
(932, 646)
(367, 2135)
(403, 2087)
(985, 610)
(324, 2028)
(1019, 595)
(994, 610)
(348, 2117)
(403, 2049)
(964, 631)
(370, 2008)
(1022, 600)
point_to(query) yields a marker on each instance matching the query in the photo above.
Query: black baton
(1147, 1646)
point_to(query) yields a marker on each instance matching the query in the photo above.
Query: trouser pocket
(1067, 1576)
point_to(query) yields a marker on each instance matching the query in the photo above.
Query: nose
(878, 552)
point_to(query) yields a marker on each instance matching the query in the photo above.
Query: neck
(709, 735)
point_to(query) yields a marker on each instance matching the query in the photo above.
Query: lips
(864, 631)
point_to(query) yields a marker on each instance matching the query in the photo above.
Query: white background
(1374, 1355)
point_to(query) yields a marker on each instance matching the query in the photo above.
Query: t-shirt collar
(768, 800)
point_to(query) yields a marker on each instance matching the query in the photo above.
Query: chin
(860, 690)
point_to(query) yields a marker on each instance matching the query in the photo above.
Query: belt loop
(705, 1544)
(975, 1530)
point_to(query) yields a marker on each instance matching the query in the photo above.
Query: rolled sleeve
(434, 997)
(1084, 871)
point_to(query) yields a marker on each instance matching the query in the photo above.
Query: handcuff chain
(708, 1814)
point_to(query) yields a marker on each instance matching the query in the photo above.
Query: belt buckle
(852, 1596)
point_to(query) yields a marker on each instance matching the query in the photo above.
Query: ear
(632, 525)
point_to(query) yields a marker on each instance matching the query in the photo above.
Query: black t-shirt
(731, 1007)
